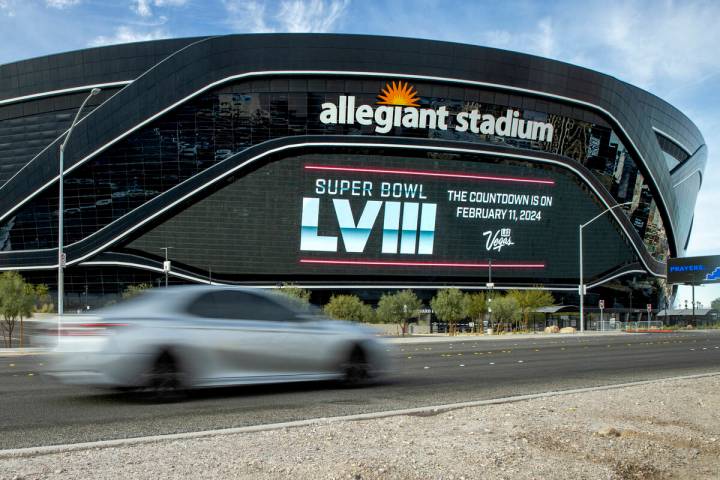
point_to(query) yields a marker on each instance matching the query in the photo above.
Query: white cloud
(247, 16)
(666, 43)
(6, 7)
(311, 16)
(61, 4)
(144, 8)
(125, 34)
(539, 41)
(652, 45)
(286, 16)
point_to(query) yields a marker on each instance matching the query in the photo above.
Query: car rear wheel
(356, 370)
(164, 381)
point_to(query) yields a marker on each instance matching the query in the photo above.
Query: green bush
(398, 308)
(17, 301)
(293, 291)
(449, 306)
(506, 310)
(349, 307)
(135, 290)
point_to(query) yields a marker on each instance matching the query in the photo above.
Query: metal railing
(646, 325)
(606, 326)
(617, 326)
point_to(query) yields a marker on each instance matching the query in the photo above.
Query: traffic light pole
(693, 304)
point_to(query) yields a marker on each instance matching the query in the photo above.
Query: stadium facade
(341, 162)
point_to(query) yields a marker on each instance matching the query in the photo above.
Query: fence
(615, 326)
(643, 326)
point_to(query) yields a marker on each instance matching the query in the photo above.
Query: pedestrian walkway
(14, 352)
(434, 338)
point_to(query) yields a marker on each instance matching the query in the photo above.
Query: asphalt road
(34, 410)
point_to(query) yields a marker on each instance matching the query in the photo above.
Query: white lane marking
(30, 451)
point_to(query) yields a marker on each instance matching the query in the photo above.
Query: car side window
(249, 306)
(239, 305)
(204, 306)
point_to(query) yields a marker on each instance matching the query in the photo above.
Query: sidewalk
(442, 337)
(15, 352)
(413, 339)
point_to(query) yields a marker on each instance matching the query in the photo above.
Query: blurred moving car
(208, 336)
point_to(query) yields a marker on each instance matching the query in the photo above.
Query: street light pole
(61, 210)
(490, 286)
(582, 284)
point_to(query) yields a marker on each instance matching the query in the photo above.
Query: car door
(304, 344)
(230, 339)
(251, 338)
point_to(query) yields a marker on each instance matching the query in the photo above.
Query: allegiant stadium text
(385, 117)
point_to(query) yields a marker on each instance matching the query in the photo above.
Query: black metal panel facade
(170, 75)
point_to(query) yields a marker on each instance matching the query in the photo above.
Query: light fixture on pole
(581, 288)
(61, 210)
(166, 264)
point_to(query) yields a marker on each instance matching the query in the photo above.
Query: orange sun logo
(399, 94)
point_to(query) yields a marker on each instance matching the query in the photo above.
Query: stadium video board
(342, 215)
(694, 270)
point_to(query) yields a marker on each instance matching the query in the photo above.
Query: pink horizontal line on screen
(390, 263)
(425, 173)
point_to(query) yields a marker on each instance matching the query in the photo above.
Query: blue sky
(669, 48)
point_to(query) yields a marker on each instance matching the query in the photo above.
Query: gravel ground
(668, 429)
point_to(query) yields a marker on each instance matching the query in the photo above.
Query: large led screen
(427, 218)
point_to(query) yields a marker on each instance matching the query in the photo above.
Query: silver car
(208, 336)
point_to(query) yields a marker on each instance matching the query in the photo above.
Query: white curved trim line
(57, 139)
(151, 268)
(321, 286)
(32, 267)
(688, 176)
(605, 280)
(134, 227)
(674, 140)
(83, 118)
(52, 93)
(350, 74)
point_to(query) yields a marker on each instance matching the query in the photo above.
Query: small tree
(295, 292)
(17, 300)
(44, 301)
(476, 307)
(506, 310)
(349, 307)
(398, 308)
(715, 304)
(530, 300)
(449, 306)
(135, 290)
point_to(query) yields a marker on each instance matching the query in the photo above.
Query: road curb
(16, 352)
(435, 409)
(415, 339)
